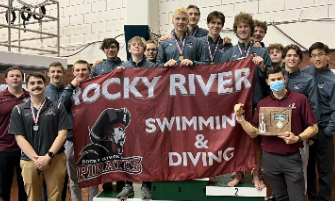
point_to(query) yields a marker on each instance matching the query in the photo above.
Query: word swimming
(113, 89)
(182, 123)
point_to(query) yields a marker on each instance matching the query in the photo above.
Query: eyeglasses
(320, 55)
(153, 49)
(110, 47)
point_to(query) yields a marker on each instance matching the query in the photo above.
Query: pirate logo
(321, 85)
(107, 135)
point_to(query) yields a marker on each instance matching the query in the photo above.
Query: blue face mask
(277, 86)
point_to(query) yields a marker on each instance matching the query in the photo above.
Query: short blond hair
(180, 10)
(137, 39)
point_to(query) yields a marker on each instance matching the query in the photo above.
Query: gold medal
(212, 62)
(181, 58)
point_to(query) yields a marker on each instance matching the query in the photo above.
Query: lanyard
(195, 31)
(209, 49)
(241, 49)
(38, 112)
(182, 45)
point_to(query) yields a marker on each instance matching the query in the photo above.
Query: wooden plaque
(274, 121)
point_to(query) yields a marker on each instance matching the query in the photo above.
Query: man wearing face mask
(281, 157)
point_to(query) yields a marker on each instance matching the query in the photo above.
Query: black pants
(322, 153)
(285, 175)
(9, 160)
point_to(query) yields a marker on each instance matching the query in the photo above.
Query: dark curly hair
(107, 42)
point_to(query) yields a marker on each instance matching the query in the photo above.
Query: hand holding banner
(155, 124)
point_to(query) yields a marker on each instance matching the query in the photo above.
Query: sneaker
(127, 191)
(145, 192)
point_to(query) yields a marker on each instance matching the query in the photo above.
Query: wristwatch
(50, 154)
(300, 139)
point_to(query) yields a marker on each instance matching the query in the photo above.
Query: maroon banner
(156, 124)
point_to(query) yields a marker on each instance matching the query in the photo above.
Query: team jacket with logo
(261, 89)
(105, 67)
(193, 50)
(304, 84)
(220, 50)
(325, 81)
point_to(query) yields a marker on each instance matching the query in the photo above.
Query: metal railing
(20, 27)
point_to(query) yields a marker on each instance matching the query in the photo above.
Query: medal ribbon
(195, 31)
(209, 49)
(38, 111)
(182, 45)
(241, 50)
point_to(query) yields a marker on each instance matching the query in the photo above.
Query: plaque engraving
(274, 121)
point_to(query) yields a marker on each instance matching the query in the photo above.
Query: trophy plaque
(274, 121)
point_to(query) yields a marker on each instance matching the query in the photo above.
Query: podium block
(194, 190)
(246, 191)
